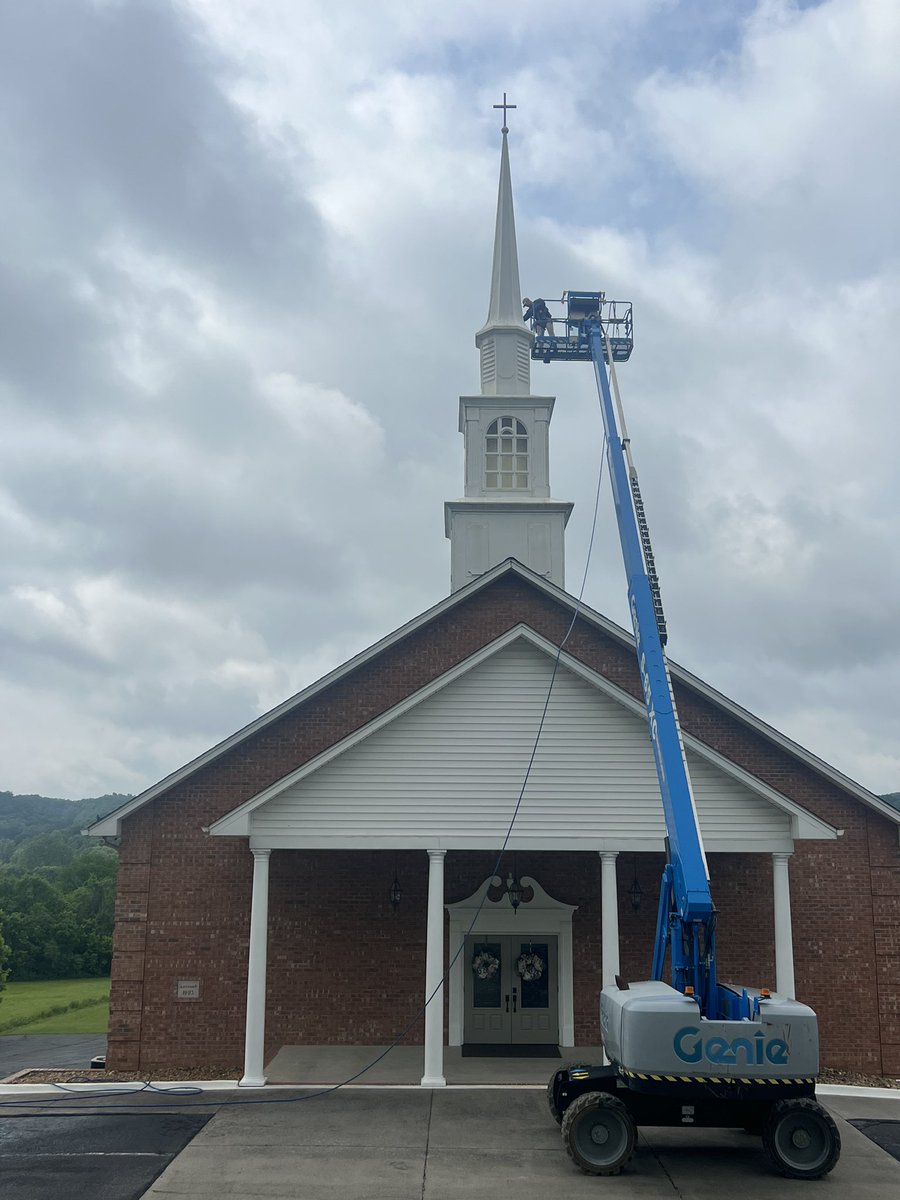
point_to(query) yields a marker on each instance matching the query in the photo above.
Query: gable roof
(416, 770)
(110, 824)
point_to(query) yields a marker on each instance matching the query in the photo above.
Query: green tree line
(57, 889)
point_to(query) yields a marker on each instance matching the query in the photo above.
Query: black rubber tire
(599, 1133)
(551, 1103)
(801, 1139)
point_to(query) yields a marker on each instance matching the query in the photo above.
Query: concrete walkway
(404, 1065)
(20, 1051)
(381, 1144)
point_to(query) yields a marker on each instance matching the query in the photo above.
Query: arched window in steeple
(506, 455)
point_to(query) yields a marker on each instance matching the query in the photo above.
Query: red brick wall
(183, 904)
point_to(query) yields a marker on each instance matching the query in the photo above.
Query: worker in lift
(538, 313)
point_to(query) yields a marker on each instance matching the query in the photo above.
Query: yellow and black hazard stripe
(714, 1078)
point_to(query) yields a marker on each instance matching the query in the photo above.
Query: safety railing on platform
(564, 337)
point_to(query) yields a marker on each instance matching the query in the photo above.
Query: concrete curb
(223, 1085)
(138, 1087)
(859, 1093)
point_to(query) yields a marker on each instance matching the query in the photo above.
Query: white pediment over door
(479, 914)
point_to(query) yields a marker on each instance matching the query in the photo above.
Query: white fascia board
(632, 845)
(502, 403)
(490, 506)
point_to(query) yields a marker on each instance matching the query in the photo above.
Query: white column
(609, 921)
(609, 917)
(255, 1037)
(434, 972)
(784, 938)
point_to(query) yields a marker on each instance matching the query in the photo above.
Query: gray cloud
(116, 115)
(237, 305)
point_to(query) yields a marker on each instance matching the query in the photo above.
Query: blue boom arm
(686, 918)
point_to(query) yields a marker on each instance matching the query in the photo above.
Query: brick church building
(315, 876)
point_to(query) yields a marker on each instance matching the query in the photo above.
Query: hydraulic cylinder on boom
(693, 1052)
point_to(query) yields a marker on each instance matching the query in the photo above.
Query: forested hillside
(57, 888)
(25, 817)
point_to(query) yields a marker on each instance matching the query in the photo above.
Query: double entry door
(511, 990)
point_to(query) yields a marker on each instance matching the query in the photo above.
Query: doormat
(505, 1050)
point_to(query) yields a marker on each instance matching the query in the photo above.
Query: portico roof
(110, 825)
(443, 768)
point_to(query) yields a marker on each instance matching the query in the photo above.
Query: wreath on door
(485, 965)
(530, 967)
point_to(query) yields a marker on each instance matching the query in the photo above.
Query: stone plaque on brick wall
(187, 989)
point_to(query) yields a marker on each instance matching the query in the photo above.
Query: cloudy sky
(246, 245)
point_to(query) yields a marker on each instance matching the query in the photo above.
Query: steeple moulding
(507, 510)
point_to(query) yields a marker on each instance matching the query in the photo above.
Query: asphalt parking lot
(24, 1051)
(398, 1144)
(110, 1156)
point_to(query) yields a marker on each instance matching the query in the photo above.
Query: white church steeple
(507, 510)
(504, 342)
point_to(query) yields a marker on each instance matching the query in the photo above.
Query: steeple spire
(506, 296)
(504, 341)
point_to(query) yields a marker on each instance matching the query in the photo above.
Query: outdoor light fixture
(636, 891)
(514, 890)
(396, 892)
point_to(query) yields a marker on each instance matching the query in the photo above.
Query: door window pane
(485, 968)
(535, 960)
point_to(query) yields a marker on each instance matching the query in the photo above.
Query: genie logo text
(691, 1047)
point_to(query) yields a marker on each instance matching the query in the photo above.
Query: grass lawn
(23, 1005)
(78, 1020)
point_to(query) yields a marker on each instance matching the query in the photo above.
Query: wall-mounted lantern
(514, 890)
(396, 892)
(636, 891)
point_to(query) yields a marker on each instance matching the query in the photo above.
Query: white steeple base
(484, 533)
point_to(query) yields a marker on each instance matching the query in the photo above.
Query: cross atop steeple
(505, 106)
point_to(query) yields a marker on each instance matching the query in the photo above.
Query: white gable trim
(110, 825)
(803, 824)
(237, 821)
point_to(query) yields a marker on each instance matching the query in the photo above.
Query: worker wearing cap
(538, 313)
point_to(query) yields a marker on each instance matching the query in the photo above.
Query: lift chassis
(693, 1052)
